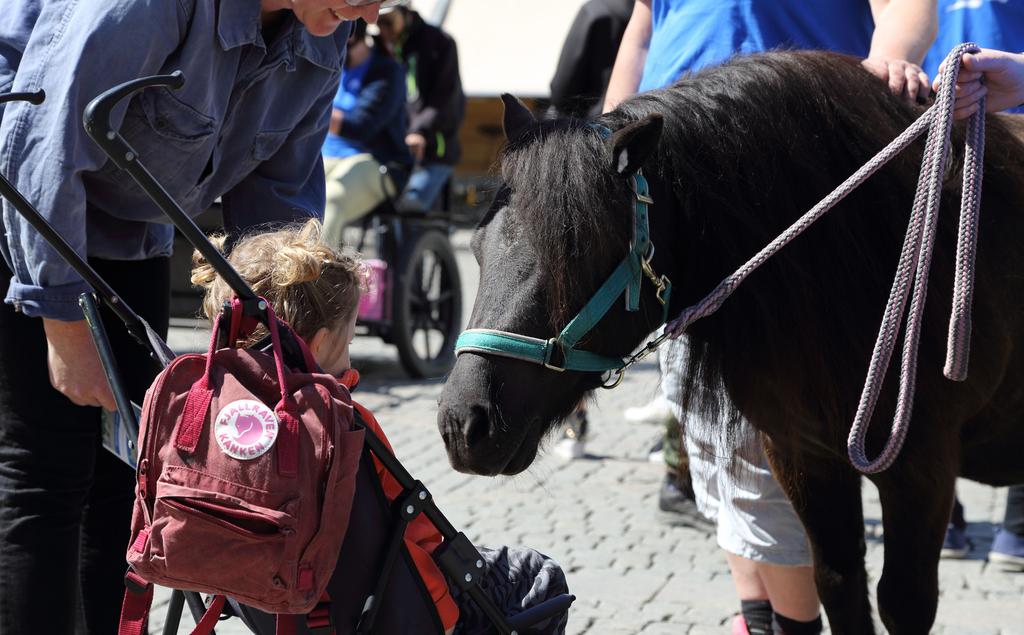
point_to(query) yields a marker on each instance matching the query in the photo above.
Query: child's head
(310, 286)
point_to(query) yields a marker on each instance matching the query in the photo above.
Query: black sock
(787, 626)
(758, 616)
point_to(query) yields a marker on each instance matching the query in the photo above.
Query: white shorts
(732, 482)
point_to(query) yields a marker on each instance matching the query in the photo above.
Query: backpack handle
(200, 395)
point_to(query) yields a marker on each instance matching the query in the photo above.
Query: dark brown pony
(735, 154)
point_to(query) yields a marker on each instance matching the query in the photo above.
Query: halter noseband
(559, 353)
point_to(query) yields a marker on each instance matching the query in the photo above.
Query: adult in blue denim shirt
(246, 127)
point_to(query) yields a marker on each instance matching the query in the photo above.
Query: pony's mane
(568, 224)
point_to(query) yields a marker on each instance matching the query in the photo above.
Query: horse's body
(743, 151)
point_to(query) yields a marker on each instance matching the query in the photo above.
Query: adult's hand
(75, 368)
(905, 79)
(417, 145)
(996, 75)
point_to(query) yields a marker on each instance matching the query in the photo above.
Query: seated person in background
(367, 131)
(315, 289)
(436, 103)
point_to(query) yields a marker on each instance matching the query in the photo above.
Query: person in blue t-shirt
(757, 527)
(367, 131)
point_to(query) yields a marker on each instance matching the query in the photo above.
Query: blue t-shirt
(691, 34)
(994, 24)
(345, 101)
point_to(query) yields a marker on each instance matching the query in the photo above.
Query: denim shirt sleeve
(75, 51)
(288, 185)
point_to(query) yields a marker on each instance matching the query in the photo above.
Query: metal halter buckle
(551, 345)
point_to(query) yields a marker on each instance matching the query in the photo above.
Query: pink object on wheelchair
(371, 302)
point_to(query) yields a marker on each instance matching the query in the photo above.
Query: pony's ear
(517, 117)
(632, 145)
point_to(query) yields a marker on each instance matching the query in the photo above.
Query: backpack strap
(138, 596)
(197, 403)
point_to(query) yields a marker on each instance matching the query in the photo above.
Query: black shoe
(678, 508)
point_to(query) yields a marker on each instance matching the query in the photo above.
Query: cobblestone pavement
(597, 517)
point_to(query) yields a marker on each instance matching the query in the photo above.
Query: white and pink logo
(245, 429)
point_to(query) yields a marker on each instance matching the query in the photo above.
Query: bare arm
(904, 31)
(629, 63)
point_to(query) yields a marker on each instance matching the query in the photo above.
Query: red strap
(197, 403)
(288, 442)
(135, 608)
(287, 624)
(210, 617)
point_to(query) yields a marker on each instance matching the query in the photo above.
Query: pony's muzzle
(466, 431)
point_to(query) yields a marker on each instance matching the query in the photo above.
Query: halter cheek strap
(559, 353)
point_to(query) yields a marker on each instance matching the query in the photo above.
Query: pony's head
(543, 253)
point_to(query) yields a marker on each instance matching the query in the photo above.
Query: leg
(47, 453)
(354, 187)
(826, 496)
(916, 495)
(1013, 522)
(424, 186)
(145, 286)
(1008, 546)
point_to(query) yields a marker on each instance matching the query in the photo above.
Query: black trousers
(65, 503)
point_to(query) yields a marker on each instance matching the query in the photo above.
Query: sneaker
(956, 546)
(739, 626)
(678, 507)
(1008, 551)
(657, 411)
(573, 444)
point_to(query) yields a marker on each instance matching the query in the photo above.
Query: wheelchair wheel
(427, 305)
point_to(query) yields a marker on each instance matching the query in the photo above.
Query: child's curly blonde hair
(309, 284)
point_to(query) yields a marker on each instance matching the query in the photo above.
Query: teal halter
(559, 353)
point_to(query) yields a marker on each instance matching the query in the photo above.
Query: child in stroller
(316, 290)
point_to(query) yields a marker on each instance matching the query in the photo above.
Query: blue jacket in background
(247, 127)
(377, 120)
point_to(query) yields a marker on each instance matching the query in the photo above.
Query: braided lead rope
(913, 267)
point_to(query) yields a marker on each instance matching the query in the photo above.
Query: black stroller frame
(456, 556)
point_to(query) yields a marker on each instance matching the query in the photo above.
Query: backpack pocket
(235, 540)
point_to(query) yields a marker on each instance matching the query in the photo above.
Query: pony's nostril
(476, 427)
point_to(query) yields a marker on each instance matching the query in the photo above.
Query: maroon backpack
(246, 477)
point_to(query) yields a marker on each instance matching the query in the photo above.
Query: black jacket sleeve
(441, 105)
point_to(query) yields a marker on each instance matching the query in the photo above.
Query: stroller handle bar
(35, 98)
(97, 124)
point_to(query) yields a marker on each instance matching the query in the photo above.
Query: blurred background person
(367, 132)
(435, 102)
(588, 54)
